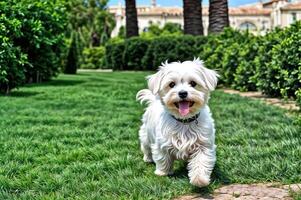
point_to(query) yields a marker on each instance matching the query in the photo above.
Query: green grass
(77, 138)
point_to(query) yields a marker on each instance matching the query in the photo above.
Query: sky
(179, 2)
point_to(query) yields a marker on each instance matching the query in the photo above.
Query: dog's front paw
(200, 181)
(147, 159)
(161, 173)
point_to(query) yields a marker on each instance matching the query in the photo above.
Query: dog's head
(183, 87)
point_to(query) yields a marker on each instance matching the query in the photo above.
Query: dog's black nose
(183, 94)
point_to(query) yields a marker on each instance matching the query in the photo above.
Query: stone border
(288, 105)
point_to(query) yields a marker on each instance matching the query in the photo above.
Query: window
(294, 17)
(247, 26)
(145, 29)
(264, 25)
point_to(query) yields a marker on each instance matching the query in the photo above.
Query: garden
(69, 134)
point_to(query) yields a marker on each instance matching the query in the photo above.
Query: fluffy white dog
(177, 123)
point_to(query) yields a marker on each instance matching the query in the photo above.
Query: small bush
(93, 58)
(72, 58)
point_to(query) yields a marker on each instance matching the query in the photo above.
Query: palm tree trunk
(131, 18)
(193, 23)
(218, 15)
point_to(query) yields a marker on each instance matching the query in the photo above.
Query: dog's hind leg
(145, 145)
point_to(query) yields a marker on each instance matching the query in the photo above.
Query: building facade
(258, 18)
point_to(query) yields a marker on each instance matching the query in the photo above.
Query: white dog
(177, 123)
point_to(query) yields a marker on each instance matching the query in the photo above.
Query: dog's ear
(154, 82)
(210, 76)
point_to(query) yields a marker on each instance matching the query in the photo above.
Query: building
(257, 18)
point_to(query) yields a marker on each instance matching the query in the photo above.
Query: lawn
(76, 137)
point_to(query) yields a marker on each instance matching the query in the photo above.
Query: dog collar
(186, 121)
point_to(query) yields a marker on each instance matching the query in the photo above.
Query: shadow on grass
(217, 177)
(57, 83)
(180, 171)
(21, 94)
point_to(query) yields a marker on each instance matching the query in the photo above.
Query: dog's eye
(172, 84)
(192, 83)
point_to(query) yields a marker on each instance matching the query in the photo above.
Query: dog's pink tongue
(184, 108)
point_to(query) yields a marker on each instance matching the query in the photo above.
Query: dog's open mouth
(184, 107)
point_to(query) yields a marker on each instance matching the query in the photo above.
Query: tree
(121, 32)
(91, 19)
(131, 18)
(72, 58)
(168, 29)
(218, 15)
(193, 23)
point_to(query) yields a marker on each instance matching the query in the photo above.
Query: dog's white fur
(163, 138)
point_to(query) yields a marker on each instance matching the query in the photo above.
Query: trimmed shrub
(72, 58)
(286, 62)
(221, 53)
(246, 67)
(93, 58)
(265, 75)
(147, 54)
(114, 54)
(160, 50)
(172, 49)
(278, 62)
(134, 50)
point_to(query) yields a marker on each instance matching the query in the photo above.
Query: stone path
(289, 105)
(248, 192)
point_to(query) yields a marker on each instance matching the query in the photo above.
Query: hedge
(177, 48)
(140, 53)
(12, 60)
(271, 63)
(31, 38)
(134, 49)
(114, 54)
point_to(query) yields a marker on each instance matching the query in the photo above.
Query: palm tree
(131, 18)
(193, 23)
(218, 15)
